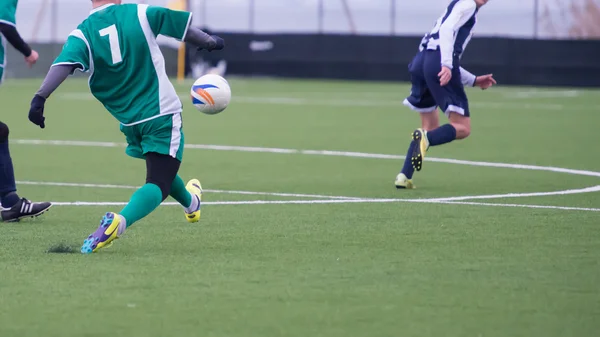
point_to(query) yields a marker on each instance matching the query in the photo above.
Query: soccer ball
(211, 94)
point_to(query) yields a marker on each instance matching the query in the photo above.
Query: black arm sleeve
(199, 38)
(56, 75)
(11, 34)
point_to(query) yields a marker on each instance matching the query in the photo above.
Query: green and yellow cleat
(402, 182)
(194, 187)
(419, 136)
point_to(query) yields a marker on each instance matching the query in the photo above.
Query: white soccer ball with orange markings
(211, 94)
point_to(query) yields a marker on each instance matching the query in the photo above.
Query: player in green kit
(117, 45)
(8, 24)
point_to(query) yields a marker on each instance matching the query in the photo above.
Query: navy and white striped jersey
(452, 31)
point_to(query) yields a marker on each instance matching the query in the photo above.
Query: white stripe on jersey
(467, 78)
(168, 99)
(447, 29)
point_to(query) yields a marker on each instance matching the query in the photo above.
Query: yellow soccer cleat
(419, 136)
(194, 187)
(104, 235)
(402, 182)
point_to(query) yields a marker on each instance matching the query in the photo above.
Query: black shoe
(24, 209)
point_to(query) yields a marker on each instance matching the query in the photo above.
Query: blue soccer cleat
(104, 235)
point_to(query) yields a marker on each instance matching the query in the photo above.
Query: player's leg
(430, 120)
(457, 111)
(421, 101)
(454, 103)
(189, 196)
(461, 123)
(8, 188)
(15, 208)
(161, 170)
(144, 141)
(160, 142)
(180, 193)
(112, 225)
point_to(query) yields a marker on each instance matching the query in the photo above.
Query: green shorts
(2, 57)
(162, 135)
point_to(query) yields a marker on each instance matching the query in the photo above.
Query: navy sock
(10, 199)
(408, 169)
(7, 178)
(442, 135)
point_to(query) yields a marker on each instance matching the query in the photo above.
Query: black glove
(36, 111)
(220, 43)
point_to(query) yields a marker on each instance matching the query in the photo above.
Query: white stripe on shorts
(454, 108)
(422, 110)
(175, 135)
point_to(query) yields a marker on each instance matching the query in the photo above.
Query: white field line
(356, 201)
(241, 202)
(397, 91)
(318, 152)
(342, 198)
(534, 93)
(344, 102)
(563, 208)
(520, 195)
(335, 200)
(289, 195)
(379, 103)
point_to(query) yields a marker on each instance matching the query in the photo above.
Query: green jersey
(117, 45)
(8, 10)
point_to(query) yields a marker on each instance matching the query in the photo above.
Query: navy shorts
(427, 93)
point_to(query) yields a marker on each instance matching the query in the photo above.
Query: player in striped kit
(438, 81)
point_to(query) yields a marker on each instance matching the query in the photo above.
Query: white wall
(52, 20)
(499, 17)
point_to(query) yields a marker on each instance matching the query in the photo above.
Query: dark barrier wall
(513, 61)
(521, 62)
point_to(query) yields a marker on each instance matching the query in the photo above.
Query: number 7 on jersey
(113, 40)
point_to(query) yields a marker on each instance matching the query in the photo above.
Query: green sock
(142, 202)
(180, 193)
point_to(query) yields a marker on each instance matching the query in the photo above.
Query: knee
(3, 132)
(161, 171)
(462, 125)
(462, 130)
(165, 188)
